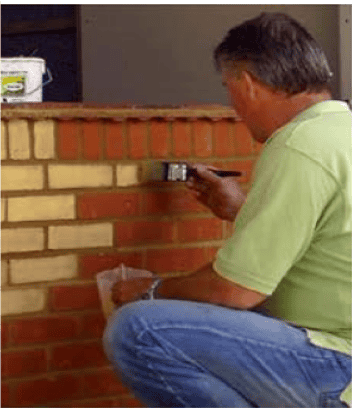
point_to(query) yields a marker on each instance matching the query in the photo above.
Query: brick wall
(71, 206)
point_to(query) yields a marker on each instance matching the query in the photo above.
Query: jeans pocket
(332, 400)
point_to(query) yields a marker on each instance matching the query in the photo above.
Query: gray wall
(162, 54)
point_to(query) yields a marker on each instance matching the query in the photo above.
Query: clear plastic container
(107, 279)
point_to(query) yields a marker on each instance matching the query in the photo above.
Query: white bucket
(22, 79)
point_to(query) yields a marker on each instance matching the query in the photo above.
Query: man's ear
(250, 85)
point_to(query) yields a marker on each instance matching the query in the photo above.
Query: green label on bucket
(13, 83)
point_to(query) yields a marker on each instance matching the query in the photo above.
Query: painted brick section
(74, 297)
(15, 178)
(4, 272)
(144, 232)
(68, 143)
(175, 260)
(22, 301)
(78, 176)
(22, 240)
(92, 140)
(223, 139)
(76, 356)
(44, 139)
(90, 265)
(44, 391)
(43, 269)
(23, 363)
(181, 138)
(19, 139)
(115, 142)
(44, 329)
(4, 141)
(105, 205)
(160, 139)
(37, 208)
(199, 229)
(137, 139)
(170, 202)
(80, 236)
(3, 202)
(203, 140)
(127, 175)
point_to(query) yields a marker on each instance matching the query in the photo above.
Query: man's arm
(206, 285)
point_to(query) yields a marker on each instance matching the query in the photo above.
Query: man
(268, 323)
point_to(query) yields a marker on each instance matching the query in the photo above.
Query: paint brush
(178, 171)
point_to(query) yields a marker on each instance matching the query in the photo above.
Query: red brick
(170, 202)
(114, 141)
(137, 139)
(68, 139)
(223, 139)
(138, 232)
(74, 297)
(245, 166)
(159, 139)
(44, 391)
(5, 395)
(257, 147)
(44, 329)
(105, 403)
(243, 139)
(203, 140)
(20, 363)
(102, 383)
(75, 356)
(4, 334)
(93, 325)
(92, 264)
(199, 229)
(104, 205)
(91, 140)
(211, 253)
(175, 260)
(181, 137)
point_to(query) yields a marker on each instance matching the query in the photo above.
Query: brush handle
(221, 173)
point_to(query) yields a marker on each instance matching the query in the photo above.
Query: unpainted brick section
(106, 205)
(78, 355)
(5, 395)
(137, 138)
(181, 139)
(115, 141)
(68, 142)
(160, 139)
(243, 139)
(203, 138)
(144, 232)
(76, 297)
(199, 229)
(223, 139)
(23, 363)
(92, 325)
(92, 140)
(90, 265)
(103, 382)
(43, 391)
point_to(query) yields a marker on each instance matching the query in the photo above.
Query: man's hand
(222, 195)
(130, 290)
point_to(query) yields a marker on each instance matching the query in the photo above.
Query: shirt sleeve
(277, 223)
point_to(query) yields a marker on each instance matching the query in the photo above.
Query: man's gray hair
(277, 51)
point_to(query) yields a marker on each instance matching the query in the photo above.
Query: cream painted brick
(44, 139)
(22, 240)
(22, 301)
(3, 141)
(41, 208)
(22, 178)
(81, 236)
(75, 176)
(127, 175)
(19, 139)
(4, 272)
(43, 269)
(3, 209)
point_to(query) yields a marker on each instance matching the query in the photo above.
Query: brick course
(72, 206)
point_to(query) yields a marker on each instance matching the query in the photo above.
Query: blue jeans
(173, 353)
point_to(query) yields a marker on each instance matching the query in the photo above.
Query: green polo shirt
(292, 237)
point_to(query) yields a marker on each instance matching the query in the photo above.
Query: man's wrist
(152, 292)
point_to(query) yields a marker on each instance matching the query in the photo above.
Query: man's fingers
(205, 173)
